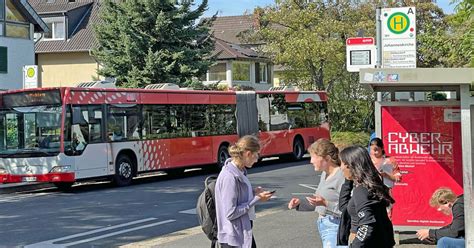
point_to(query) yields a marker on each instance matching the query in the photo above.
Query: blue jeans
(328, 227)
(446, 242)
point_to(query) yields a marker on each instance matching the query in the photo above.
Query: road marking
(189, 211)
(309, 186)
(19, 197)
(50, 243)
(119, 232)
(181, 234)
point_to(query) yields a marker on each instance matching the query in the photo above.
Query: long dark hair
(364, 173)
(379, 143)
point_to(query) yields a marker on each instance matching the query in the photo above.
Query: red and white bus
(63, 135)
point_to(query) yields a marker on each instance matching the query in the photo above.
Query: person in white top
(387, 166)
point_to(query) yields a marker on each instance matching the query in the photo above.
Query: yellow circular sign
(30, 72)
(398, 23)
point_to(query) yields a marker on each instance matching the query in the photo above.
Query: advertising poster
(426, 143)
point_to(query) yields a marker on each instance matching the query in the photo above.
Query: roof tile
(81, 40)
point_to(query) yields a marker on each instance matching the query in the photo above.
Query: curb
(23, 187)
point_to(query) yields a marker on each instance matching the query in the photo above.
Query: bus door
(273, 124)
(85, 140)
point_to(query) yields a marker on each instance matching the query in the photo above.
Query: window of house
(13, 14)
(260, 73)
(3, 60)
(2, 9)
(218, 72)
(56, 27)
(12, 22)
(241, 71)
(17, 30)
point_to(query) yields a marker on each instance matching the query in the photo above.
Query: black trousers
(254, 245)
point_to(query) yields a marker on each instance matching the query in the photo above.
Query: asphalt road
(155, 212)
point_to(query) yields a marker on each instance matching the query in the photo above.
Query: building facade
(18, 23)
(63, 54)
(64, 59)
(238, 62)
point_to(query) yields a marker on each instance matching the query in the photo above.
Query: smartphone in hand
(273, 191)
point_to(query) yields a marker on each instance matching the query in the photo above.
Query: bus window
(157, 123)
(178, 121)
(222, 120)
(12, 131)
(296, 115)
(83, 126)
(197, 118)
(123, 122)
(3, 129)
(263, 108)
(278, 113)
(316, 113)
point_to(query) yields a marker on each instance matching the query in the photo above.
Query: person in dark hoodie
(452, 235)
(364, 219)
(235, 197)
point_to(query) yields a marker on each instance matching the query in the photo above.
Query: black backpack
(206, 210)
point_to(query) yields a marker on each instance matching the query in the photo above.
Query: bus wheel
(222, 156)
(123, 170)
(298, 149)
(64, 186)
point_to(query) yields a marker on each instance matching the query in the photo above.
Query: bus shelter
(430, 138)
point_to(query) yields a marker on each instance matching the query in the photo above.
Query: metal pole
(378, 42)
(467, 108)
(378, 39)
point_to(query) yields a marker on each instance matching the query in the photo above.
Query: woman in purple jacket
(235, 199)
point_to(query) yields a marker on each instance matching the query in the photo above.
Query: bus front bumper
(49, 178)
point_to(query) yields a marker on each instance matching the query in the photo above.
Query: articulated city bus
(63, 135)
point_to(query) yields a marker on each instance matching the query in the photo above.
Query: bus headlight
(3, 171)
(61, 168)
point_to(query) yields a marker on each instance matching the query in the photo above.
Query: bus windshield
(30, 131)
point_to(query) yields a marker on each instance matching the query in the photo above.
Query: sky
(238, 7)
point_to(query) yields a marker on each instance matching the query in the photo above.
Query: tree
(143, 42)
(461, 34)
(308, 38)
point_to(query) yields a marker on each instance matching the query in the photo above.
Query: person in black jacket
(364, 219)
(452, 235)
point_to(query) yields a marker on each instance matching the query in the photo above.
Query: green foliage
(436, 96)
(462, 35)
(308, 39)
(143, 42)
(198, 85)
(344, 139)
(350, 105)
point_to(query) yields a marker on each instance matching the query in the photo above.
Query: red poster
(426, 143)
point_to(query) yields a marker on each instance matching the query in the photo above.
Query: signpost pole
(378, 38)
(378, 42)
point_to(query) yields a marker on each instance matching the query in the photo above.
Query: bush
(344, 139)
